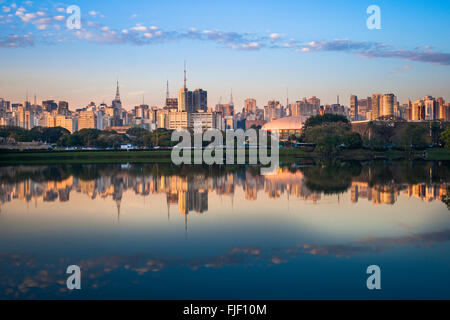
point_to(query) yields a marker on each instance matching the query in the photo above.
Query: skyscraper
(116, 103)
(250, 106)
(376, 106)
(388, 105)
(431, 108)
(63, 107)
(185, 99)
(354, 107)
(200, 100)
(441, 108)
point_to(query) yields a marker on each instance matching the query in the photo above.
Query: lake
(308, 230)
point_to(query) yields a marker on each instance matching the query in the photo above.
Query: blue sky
(255, 48)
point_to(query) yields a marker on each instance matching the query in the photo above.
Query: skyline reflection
(189, 188)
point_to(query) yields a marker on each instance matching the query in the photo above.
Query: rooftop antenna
(167, 92)
(185, 75)
(231, 97)
(117, 91)
(337, 99)
(287, 96)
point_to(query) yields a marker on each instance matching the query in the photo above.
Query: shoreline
(163, 156)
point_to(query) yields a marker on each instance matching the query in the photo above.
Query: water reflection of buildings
(190, 192)
(389, 194)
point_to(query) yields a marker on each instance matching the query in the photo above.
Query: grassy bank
(46, 157)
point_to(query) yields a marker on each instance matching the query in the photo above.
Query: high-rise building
(68, 123)
(49, 105)
(250, 106)
(185, 97)
(314, 101)
(272, 111)
(117, 103)
(408, 109)
(87, 120)
(376, 106)
(354, 107)
(418, 110)
(185, 103)
(431, 108)
(171, 103)
(63, 107)
(441, 108)
(388, 103)
(178, 120)
(200, 100)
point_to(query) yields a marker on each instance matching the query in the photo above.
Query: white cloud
(139, 28)
(27, 17)
(275, 36)
(250, 46)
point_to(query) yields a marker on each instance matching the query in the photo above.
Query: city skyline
(144, 45)
(174, 94)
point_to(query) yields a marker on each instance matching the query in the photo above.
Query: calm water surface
(163, 232)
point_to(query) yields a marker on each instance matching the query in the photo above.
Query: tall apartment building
(388, 103)
(354, 107)
(376, 106)
(418, 110)
(441, 107)
(185, 100)
(49, 105)
(68, 123)
(178, 120)
(314, 101)
(431, 108)
(63, 107)
(200, 100)
(207, 120)
(87, 120)
(250, 106)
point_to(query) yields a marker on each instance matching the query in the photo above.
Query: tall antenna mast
(231, 97)
(185, 75)
(167, 92)
(117, 91)
(287, 97)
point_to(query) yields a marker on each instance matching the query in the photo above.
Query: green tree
(326, 118)
(445, 137)
(414, 136)
(328, 137)
(353, 140)
(52, 135)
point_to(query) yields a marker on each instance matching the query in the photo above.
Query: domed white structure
(285, 127)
